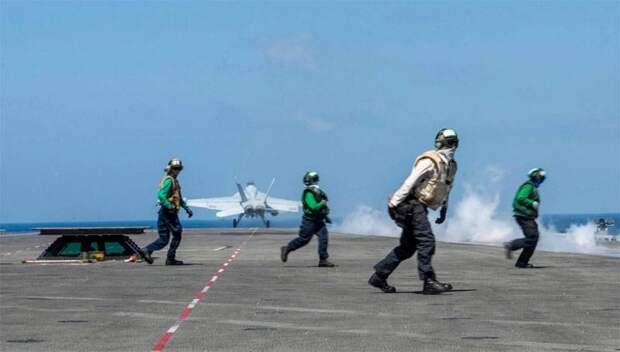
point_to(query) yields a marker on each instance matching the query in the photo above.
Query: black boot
(446, 285)
(507, 250)
(380, 283)
(434, 287)
(284, 253)
(172, 261)
(146, 255)
(524, 266)
(324, 263)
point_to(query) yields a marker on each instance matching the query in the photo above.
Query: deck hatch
(72, 246)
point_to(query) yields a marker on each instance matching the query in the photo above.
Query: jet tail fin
(269, 189)
(241, 192)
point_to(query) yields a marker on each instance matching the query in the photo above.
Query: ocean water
(216, 223)
(560, 222)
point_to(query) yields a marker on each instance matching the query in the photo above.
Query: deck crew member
(316, 215)
(170, 201)
(525, 206)
(428, 186)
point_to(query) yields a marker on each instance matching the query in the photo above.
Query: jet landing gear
(237, 221)
(266, 222)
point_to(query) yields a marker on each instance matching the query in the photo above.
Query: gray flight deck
(571, 303)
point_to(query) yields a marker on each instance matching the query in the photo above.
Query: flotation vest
(319, 195)
(433, 191)
(174, 194)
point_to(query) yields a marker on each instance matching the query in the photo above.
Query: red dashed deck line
(163, 340)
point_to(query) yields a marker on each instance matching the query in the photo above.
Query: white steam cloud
(365, 220)
(475, 220)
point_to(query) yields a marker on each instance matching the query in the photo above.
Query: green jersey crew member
(525, 205)
(428, 186)
(170, 201)
(315, 216)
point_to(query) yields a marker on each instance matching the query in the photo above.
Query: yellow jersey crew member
(170, 201)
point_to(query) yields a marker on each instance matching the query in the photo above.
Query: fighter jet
(248, 202)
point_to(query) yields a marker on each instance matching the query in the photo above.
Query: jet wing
(220, 204)
(230, 212)
(283, 204)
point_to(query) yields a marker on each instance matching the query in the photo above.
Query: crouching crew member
(170, 201)
(316, 214)
(428, 186)
(525, 205)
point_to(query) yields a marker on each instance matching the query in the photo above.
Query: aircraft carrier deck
(247, 300)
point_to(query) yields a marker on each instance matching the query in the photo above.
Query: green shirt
(523, 203)
(314, 202)
(164, 193)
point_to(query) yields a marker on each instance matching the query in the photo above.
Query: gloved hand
(325, 211)
(189, 212)
(442, 215)
(328, 220)
(535, 205)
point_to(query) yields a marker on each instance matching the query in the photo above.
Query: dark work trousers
(309, 227)
(417, 235)
(167, 223)
(530, 230)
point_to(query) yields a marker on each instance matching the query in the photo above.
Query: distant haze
(95, 97)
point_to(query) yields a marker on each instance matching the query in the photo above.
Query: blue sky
(95, 97)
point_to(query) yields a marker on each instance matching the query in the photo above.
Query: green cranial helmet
(311, 177)
(537, 174)
(176, 164)
(446, 138)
